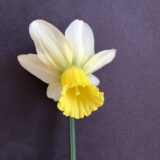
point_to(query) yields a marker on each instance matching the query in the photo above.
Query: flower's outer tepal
(80, 36)
(66, 63)
(51, 46)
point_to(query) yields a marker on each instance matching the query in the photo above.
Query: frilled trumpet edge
(79, 97)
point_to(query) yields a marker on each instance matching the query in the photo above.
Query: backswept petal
(93, 79)
(51, 45)
(33, 64)
(99, 60)
(54, 91)
(81, 39)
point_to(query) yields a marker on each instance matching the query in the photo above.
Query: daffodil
(66, 63)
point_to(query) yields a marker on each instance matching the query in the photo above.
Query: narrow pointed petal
(33, 64)
(99, 60)
(51, 45)
(93, 79)
(81, 38)
(54, 91)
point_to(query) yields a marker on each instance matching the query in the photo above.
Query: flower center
(77, 92)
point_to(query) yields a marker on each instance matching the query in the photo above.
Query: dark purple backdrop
(127, 127)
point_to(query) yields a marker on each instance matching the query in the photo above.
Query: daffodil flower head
(66, 64)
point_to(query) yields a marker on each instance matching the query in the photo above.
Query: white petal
(81, 39)
(93, 79)
(54, 91)
(99, 60)
(33, 64)
(51, 45)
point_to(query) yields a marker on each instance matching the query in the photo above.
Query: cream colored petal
(93, 79)
(54, 91)
(99, 60)
(51, 45)
(81, 38)
(33, 64)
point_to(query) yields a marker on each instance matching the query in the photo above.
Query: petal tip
(20, 58)
(77, 21)
(36, 21)
(114, 52)
(34, 24)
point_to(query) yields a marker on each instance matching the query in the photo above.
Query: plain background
(127, 127)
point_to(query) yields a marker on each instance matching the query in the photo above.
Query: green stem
(72, 139)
